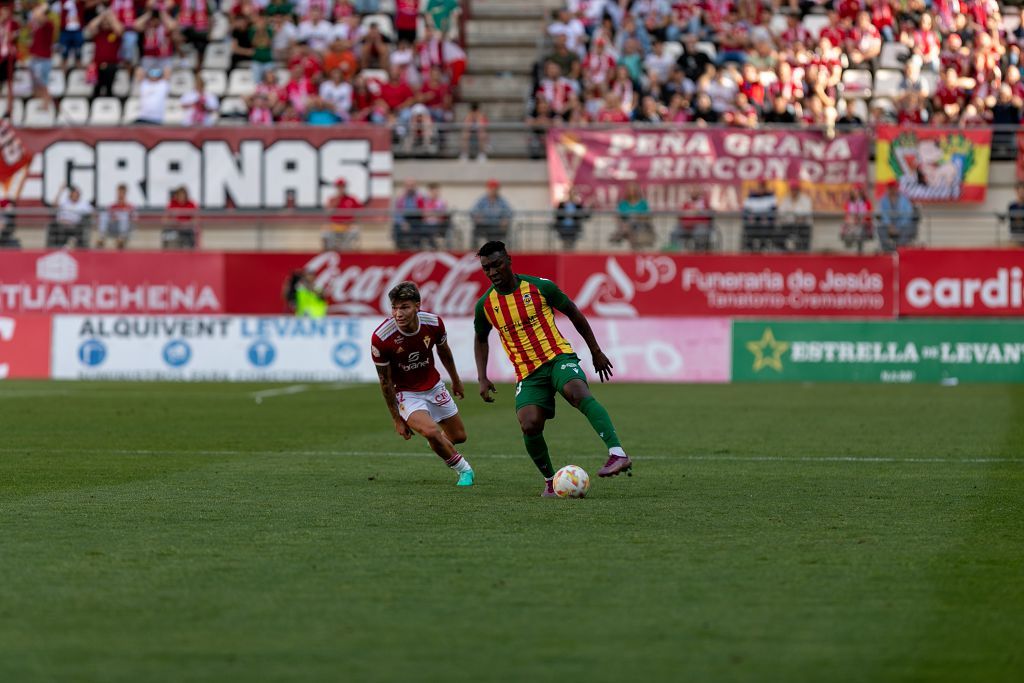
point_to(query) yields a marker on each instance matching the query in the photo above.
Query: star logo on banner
(768, 352)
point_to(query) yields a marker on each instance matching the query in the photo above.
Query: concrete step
(495, 88)
(488, 59)
(493, 38)
(496, 111)
(532, 28)
(510, 10)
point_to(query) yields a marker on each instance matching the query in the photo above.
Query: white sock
(617, 450)
(462, 465)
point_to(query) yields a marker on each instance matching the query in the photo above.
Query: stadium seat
(181, 81)
(38, 113)
(22, 83)
(17, 110)
(220, 27)
(814, 23)
(383, 21)
(174, 114)
(233, 107)
(73, 111)
(123, 83)
(1011, 22)
(218, 56)
(673, 49)
(241, 83)
(131, 111)
(380, 75)
(859, 108)
(857, 83)
(88, 52)
(707, 48)
(283, 76)
(768, 78)
(778, 24)
(883, 103)
(77, 85)
(216, 81)
(931, 82)
(57, 83)
(892, 56)
(106, 111)
(887, 83)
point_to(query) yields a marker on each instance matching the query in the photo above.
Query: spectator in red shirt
(105, 31)
(181, 223)
(396, 91)
(156, 29)
(436, 96)
(342, 232)
(406, 13)
(41, 49)
(612, 112)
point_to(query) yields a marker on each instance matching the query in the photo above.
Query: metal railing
(536, 231)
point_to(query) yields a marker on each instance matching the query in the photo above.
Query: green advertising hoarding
(894, 351)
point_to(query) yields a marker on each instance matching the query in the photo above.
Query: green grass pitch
(157, 532)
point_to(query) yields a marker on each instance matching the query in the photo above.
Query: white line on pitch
(509, 456)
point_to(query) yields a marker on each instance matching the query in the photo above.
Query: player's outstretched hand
(457, 389)
(486, 389)
(603, 366)
(403, 429)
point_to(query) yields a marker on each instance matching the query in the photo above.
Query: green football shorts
(540, 386)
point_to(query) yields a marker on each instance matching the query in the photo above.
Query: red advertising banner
(24, 346)
(110, 282)
(228, 167)
(934, 164)
(743, 285)
(358, 284)
(961, 282)
(671, 165)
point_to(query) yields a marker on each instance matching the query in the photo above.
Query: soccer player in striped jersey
(521, 308)
(403, 351)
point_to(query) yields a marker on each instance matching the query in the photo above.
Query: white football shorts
(437, 402)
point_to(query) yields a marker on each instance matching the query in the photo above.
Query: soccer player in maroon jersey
(403, 351)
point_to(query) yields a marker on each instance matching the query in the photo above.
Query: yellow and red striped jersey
(525, 320)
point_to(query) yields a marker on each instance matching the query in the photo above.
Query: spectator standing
(759, 210)
(153, 91)
(408, 228)
(491, 215)
(437, 219)
(71, 31)
(181, 222)
(796, 219)
(261, 40)
(41, 49)
(897, 225)
(570, 214)
(635, 225)
(194, 22)
(71, 222)
(9, 28)
(406, 14)
(124, 10)
(857, 221)
(105, 31)
(342, 232)
(118, 220)
(200, 105)
(1015, 214)
(156, 30)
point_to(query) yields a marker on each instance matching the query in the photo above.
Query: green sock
(600, 421)
(538, 450)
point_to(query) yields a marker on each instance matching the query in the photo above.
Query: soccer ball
(571, 482)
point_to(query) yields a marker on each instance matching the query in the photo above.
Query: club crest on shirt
(528, 298)
(426, 341)
(400, 350)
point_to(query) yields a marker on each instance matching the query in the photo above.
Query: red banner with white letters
(24, 346)
(961, 282)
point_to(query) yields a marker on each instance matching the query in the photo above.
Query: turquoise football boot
(466, 478)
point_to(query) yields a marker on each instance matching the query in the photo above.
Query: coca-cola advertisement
(358, 284)
(751, 285)
(107, 282)
(961, 282)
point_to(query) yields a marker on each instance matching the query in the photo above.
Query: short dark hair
(405, 291)
(493, 247)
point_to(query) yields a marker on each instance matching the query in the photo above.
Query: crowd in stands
(266, 61)
(745, 63)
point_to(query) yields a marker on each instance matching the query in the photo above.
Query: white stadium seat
(123, 83)
(22, 84)
(181, 81)
(233, 107)
(57, 83)
(673, 49)
(17, 110)
(887, 83)
(220, 27)
(931, 82)
(383, 21)
(78, 86)
(891, 54)
(857, 83)
(241, 83)
(215, 80)
(73, 111)
(218, 56)
(131, 111)
(814, 23)
(174, 114)
(106, 111)
(707, 48)
(88, 52)
(39, 113)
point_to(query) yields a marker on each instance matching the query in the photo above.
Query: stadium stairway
(502, 39)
